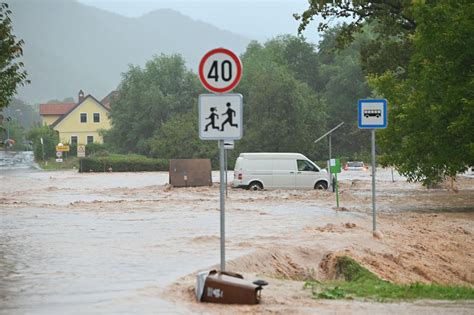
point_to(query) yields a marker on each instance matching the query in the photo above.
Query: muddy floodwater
(90, 243)
(114, 243)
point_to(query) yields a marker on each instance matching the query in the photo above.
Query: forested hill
(71, 46)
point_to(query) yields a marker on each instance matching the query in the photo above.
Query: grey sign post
(221, 118)
(228, 145)
(372, 114)
(220, 115)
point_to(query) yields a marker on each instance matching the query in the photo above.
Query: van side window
(305, 166)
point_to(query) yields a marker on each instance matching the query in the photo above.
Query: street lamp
(328, 134)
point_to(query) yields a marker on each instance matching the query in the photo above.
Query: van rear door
(284, 173)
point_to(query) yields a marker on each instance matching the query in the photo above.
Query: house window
(73, 140)
(96, 117)
(90, 139)
(83, 117)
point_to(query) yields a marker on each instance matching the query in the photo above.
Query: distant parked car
(355, 166)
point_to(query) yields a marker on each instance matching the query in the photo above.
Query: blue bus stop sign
(372, 114)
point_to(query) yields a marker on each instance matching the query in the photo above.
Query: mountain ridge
(71, 46)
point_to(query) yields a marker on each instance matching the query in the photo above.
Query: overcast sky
(257, 19)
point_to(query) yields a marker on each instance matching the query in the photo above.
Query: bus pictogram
(372, 113)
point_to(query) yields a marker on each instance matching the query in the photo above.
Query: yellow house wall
(72, 126)
(49, 119)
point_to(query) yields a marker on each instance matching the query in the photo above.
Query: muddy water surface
(111, 243)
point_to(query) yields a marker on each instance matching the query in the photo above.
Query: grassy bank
(361, 283)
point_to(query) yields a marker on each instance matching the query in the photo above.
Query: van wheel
(255, 186)
(321, 185)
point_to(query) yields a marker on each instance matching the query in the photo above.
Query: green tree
(178, 138)
(392, 23)
(50, 140)
(335, 77)
(148, 98)
(342, 84)
(24, 113)
(300, 57)
(14, 131)
(431, 112)
(281, 112)
(12, 74)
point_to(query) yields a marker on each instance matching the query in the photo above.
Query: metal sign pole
(331, 186)
(226, 188)
(222, 202)
(374, 223)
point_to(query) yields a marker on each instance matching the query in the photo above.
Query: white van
(257, 171)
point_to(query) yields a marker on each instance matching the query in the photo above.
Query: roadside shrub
(97, 149)
(50, 140)
(122, 163)
(72, 150)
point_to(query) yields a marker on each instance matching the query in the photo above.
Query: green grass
(361, 283)
(67, 164)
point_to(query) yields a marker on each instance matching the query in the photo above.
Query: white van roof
(272, 155)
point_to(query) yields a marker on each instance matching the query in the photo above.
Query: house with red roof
(81, 122)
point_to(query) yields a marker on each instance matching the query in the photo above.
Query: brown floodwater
(75, 243)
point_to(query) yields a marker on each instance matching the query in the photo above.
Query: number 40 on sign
(220, 70)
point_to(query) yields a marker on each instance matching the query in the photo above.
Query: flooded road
(13, 162)
(111, 243)
(116, 243)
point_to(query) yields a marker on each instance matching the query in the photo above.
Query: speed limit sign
(220, 70)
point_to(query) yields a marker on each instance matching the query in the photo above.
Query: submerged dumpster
(190, 172)
(226, 288)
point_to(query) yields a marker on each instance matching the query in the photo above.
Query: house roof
(55, 108)
(109, 98)
(76, 106)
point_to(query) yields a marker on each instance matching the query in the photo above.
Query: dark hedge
(122, 163)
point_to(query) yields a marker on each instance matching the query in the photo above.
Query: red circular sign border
(237, 62)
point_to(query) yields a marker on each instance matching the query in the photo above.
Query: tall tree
(26, 115)
(281, 112)
(178, 138)
(392, 22)
(343, 83)
(431, 112)
(421, 61)
(12, 74)
(149, 97)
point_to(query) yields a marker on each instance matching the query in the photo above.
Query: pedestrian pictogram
(212, 117)
(230, 117)
(220, 116)
(220, 70)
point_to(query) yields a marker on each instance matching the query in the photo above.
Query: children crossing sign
(220, 117)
